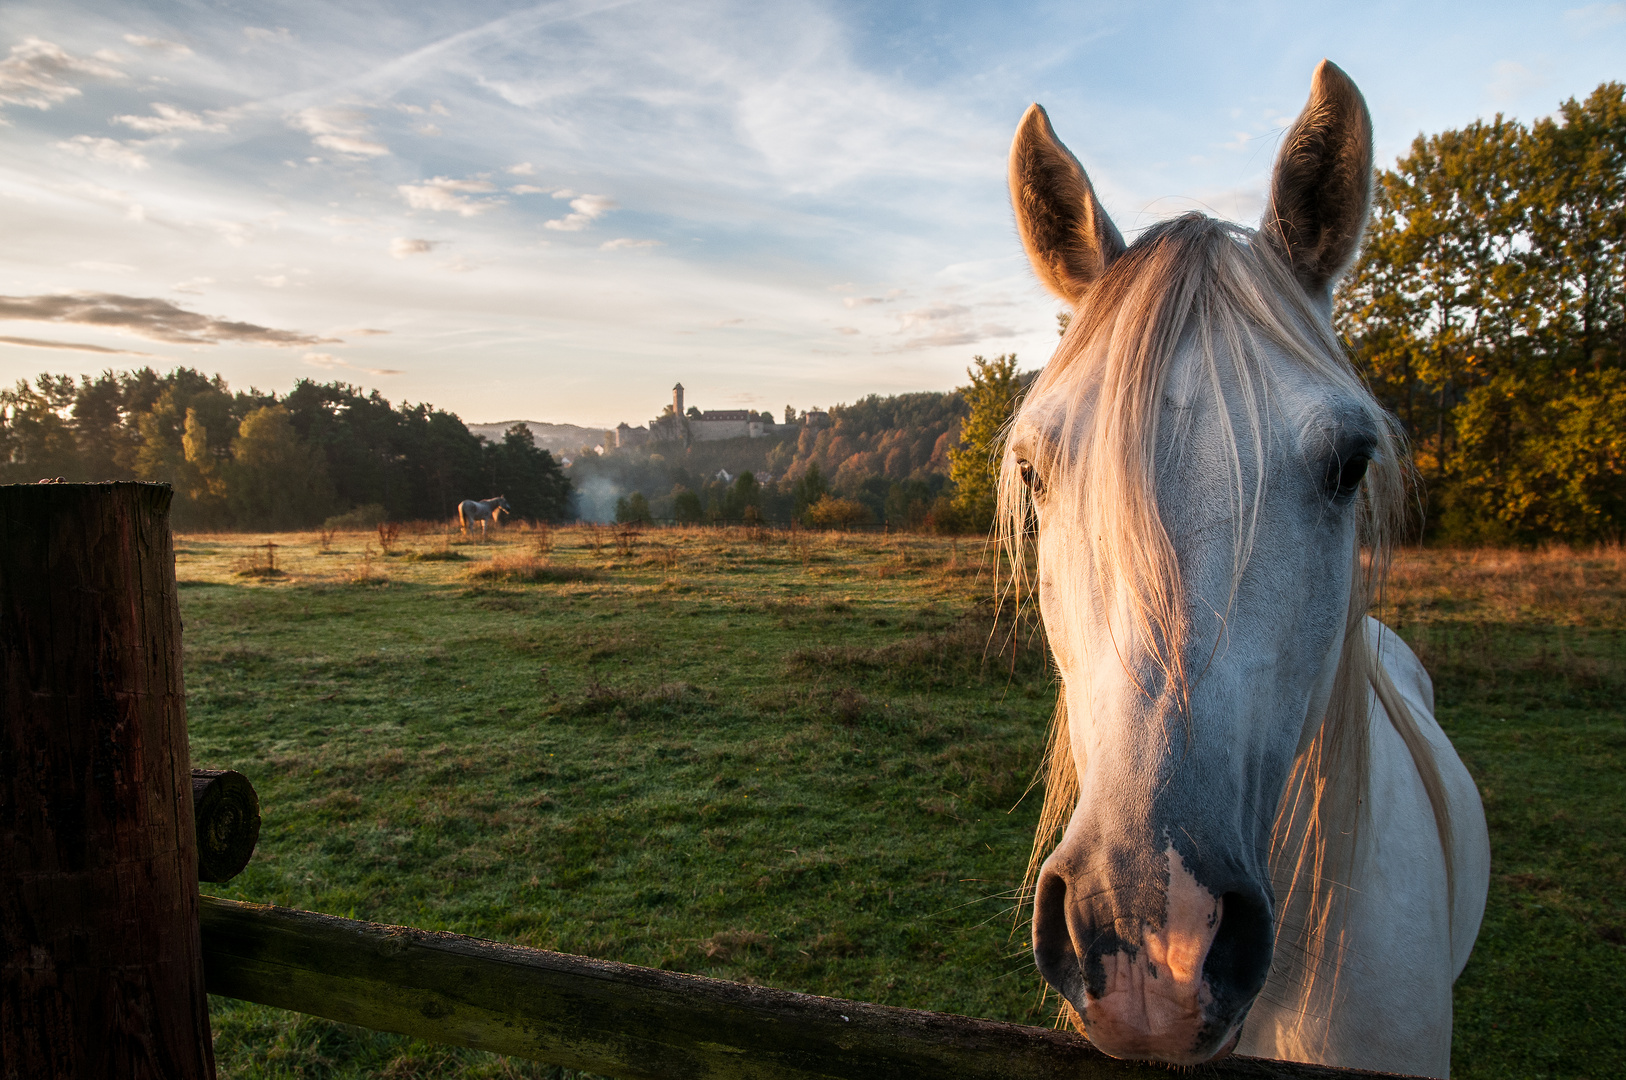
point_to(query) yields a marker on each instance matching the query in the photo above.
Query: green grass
(793, 761)
(791, 764)
(1528, 654)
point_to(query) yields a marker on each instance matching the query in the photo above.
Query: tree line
(253, 460)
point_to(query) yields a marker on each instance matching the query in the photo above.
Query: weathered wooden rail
(627, 1021)
(106, 948)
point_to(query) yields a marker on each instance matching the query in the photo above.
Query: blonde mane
(1203, 283)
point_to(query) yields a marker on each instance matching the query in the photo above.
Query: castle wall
(712, 430)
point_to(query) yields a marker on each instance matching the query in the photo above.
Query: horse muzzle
(1169, 981)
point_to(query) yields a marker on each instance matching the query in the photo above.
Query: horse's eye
(1344, 476)
(1030, 476)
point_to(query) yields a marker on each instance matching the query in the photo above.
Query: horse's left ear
(1321, 192)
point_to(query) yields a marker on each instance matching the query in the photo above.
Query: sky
(555, 211)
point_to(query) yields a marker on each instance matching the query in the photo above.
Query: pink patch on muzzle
(1153, 1004)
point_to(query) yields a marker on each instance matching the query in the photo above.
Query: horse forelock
(1092, 418)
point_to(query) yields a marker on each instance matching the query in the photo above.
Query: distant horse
(470, 510)
(1259, 818)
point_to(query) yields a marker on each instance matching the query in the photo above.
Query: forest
(250, 460)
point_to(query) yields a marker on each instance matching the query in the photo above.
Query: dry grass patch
(1556, 586)
(531, 570)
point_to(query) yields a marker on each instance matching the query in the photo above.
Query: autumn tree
(1486, 311)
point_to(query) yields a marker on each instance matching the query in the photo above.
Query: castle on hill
(674, 425)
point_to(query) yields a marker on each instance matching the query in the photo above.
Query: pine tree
(992, 396)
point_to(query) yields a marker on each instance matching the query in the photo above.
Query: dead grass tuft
(724, 945)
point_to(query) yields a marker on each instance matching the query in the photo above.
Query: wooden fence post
(101, 971)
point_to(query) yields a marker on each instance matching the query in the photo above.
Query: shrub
(831, 512)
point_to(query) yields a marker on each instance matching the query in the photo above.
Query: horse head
(1199, 468)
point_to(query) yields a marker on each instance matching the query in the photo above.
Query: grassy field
(793, 759)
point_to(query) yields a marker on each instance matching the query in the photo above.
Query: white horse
(1268, 844)
(481, 510)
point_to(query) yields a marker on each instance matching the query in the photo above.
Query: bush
(831, 512)
(361, 519)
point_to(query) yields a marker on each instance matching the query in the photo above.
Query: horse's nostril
(1239, 959)
(1052, 944)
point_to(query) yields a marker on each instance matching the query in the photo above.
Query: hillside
(565, 439)
(888, 453)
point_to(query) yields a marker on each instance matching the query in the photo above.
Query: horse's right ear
(1068, 236)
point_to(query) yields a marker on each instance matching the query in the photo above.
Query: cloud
(132, 208)
(587, 209)
(259, 33)
(944, 324)
(107, 151)
(867, 301)
(192, 285)
(105, 267)
(36, 74)
(404, 248)
(148, 317)
(847, 330)
(234, 233)
(935, 313)
(1595, 17)
(443, 193)
(275, 281)
(344, 131)
(952, 336)
(142, 41)
(628, 242)
(1513, 80)
(168, 118)
(524, 168)
(362, 331)
(527, 189)
(39, 343)
(329, 362)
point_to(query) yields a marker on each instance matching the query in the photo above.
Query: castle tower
(677, 399)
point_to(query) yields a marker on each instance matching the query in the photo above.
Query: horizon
(562, 207)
